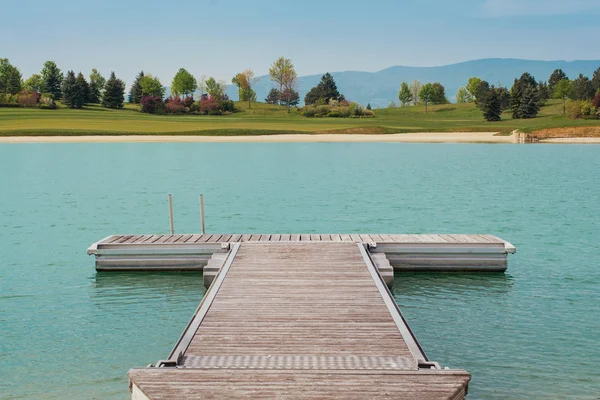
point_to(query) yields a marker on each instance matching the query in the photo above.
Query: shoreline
(422, 137)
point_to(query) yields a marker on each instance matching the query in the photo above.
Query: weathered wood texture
(168, 384)
(298, 321)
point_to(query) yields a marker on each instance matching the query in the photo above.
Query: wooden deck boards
(359, 238)
(298, 320)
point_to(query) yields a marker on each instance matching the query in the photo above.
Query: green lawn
(269, 119)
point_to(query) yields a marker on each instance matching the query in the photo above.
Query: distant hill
(379, 88)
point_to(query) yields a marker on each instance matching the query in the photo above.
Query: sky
(222, 37)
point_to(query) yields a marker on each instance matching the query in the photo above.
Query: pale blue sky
(221, 37)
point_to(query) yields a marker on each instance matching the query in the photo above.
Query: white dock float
(390, 252)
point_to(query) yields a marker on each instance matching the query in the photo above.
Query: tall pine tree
(114, 92)
(596, 80)
(52, 78)
(97, 82)
(135, 93)
(556, 76)
(72, 91)
(84, 89)
(326, 90)
(523, 95)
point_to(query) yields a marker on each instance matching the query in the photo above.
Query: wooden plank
(346, 237)
(235, 238)
(365, 238)
(305, 237)
(246, 237)
(355, 238)
(325, 237)
(173, 238)
(194, 238)
(315, 237)
(184, 238)
(385, 237)
(285, 238)
(214, 238)
(294, 237)
(265, 238)
(335, 238)
(225, 238)
(204, 238)
(112, 239)
(254, 237)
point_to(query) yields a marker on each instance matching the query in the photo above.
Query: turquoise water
(68, 332)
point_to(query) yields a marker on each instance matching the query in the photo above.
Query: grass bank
(264, 119)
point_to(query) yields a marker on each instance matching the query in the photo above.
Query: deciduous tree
(415, 88)
(473, 86)
(151, 86)
(404, 94)
(439, 94)
(97, 82)
(562, 90)
(114, 92)
(290, 97)
(463, 96)
(244, 81)
(426, 94)
(184, 83)
(34, 83)
(280, 71)
(215, 89)
(53, 79)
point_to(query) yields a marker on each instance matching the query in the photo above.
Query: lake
(69, 332)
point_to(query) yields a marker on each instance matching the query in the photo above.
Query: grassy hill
(267, 119)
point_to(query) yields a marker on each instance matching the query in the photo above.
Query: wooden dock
(390, 252)
(295, 319)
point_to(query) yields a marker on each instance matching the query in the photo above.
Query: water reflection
(433, 284)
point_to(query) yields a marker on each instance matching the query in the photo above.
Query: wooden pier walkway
(297, 320)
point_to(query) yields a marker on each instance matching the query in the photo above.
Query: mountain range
(381, 87)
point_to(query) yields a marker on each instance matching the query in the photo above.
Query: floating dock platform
(296, 319)
(390, 252)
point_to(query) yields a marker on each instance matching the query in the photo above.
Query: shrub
(338, 109)
(28, 99)
(208, 104)
(578, 109)
(195, 108)
(47, 101)
(227, 106)
(152, 105)
(596, 100)
(188, 101)
(175, 105)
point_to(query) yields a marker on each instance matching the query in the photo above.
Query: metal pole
(202, 213)
(171, 213)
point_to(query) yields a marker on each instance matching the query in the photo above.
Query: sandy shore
(573, 140)
(424, 137)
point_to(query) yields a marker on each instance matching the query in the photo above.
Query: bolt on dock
(299, 316)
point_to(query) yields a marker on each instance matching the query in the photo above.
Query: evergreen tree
(405, 95)
(83, 89)
(504, 96)
(521, 94)
(97, 82)
(491, 105)
(71, 91)
(543, 93)
(114, 92)
(556, 76)
(135, 93)
(596, 80)
(325, 90)
(582, 88)
(273, 97)
(14, 83)
(34, 83)
(290, 98)
(368, 106)
(529, 105)
(53, 79)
